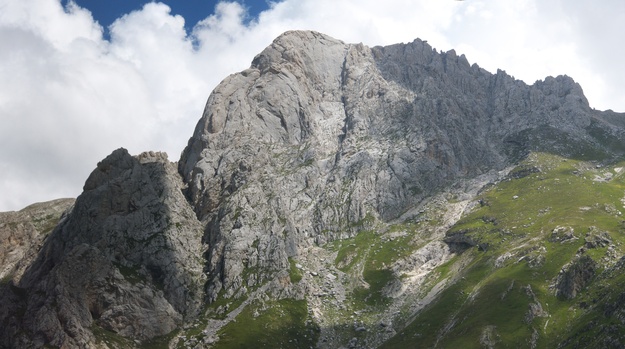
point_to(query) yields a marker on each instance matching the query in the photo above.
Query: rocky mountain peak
(318, 135)
(301, 49)
(127, 257)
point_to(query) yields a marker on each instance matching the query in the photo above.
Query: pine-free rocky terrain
(336, 195)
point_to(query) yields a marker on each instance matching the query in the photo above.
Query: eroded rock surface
(127, 258)
(319, 134)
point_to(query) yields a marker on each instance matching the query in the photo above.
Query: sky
(81, 78)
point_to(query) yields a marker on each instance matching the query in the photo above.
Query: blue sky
(193, 11)
(80, 79)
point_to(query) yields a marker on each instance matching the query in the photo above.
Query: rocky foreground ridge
(326, 181)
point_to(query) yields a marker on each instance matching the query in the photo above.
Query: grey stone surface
(318, 135)
(127, 258)
(575, 276)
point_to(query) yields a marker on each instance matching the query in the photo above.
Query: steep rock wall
(126, 259)
(319, 137)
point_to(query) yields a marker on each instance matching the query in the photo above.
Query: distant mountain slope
(22, 234)
(336, 195)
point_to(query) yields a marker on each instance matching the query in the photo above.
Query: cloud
(63, 101)
(68, 97)
(599, 31)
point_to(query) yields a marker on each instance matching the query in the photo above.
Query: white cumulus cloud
(68, 97)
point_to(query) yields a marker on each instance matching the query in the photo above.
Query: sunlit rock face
(318, 134)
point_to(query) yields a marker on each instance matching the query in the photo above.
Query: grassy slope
(276, 324)
(367, 257)
(491, 302)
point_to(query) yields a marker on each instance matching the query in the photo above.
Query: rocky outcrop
(127, 259)
(575, 276)
(596, 239)
(318, 135)
(562, 234)
(461, 240)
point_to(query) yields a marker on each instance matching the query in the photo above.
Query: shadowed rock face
(126, 258)
(312, 143)
(319, 134)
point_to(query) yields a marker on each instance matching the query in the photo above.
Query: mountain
(336, 195)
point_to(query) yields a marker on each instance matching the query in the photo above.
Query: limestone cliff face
(318, 135)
